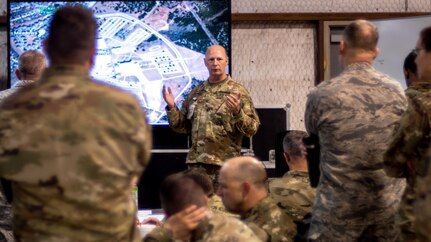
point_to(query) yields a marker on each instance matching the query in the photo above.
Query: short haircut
(72, 34)
(252, 170)
(409, 62)
(361, 35)
(31, 63)
(292, 142)
(425, 37)
(200, 177)
(178, 191)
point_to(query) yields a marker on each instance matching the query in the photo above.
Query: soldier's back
(293, 194)
(76, 146)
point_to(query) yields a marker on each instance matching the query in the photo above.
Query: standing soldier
(217, 114)
(354, 115)
(410, 152)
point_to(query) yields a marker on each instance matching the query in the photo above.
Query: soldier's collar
(66, 70)
(218, 83)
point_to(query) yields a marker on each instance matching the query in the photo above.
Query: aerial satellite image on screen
(141, 45)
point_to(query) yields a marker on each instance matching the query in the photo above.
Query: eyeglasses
(417, 50)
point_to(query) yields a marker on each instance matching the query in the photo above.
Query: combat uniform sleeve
(178, 120)
(159, 234)
(404, 144)
(247, 120)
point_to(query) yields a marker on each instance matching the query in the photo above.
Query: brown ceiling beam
(244, 17)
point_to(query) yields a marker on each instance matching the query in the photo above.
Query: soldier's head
(242, 184)
(295, 152)
(71, 38)
(410, 69)
(200, 177)
(423, 51)
(178, 192)
(31, 64)
(359, 43)
(216, 61)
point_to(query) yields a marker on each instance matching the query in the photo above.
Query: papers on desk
(142, 216)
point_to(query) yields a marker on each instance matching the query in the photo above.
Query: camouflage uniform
(354, 116)
(6, 233)
(267, 216)
(293, 193)
(6, 93)
(215, 204)
(422, 206)
(409, 156)
(216, 133)
(216, 228)
(71, 147)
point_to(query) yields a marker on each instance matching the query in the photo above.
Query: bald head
(216, 48)
(216, 61)
(31, 65)
(245, 168)
(361, 35)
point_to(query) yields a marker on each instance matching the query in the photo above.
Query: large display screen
(141, 45)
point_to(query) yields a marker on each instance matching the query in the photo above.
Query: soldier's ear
(18, 74)
(246, 187)
(286, 156)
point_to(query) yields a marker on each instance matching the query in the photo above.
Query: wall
(277, 61)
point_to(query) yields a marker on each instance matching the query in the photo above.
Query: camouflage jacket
(216, 228)
(267, 216)
(417, 88)
(6, 93)
(5, 207)
(411, 141)
(354, 116)
(215, 204)
(6, 233)
(70, 147)
(409, 156)
(293, 194)
(216, 133)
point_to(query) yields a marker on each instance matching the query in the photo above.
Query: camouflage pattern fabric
(267, 216)
(6, 233)
(409, 156)
(354, 115)
(21, 83)
(216, 133)
(71, 147)
(216, 228)
(293, 194)
(422, 206)
(215, 204)
(211, 170)
(417, 88)
(406, 217)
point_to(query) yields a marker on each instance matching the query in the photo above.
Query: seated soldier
(185, 204)
(201, 178)
(293, 192)
(243, 192)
